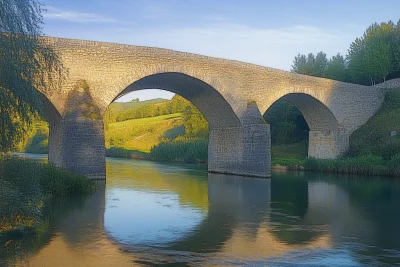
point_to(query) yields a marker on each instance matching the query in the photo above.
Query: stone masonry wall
(328, 144)
(78, 145)
(242, 150)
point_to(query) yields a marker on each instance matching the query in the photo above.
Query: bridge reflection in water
(150, 214)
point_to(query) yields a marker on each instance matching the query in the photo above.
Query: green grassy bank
(26, 186)
(160, 138)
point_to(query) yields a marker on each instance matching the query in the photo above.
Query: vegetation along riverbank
(27, 186)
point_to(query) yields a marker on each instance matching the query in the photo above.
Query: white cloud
(73, 16)
(264, 46)
(267, 46)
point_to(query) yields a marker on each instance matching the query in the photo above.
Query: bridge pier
(242, 150)
(78, 145)
(328, 144)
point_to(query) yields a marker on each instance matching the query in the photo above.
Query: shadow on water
(154, 214)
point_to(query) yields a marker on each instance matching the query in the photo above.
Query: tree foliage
(27, 64)
(310, 65)
(287, 123)
(371, 59)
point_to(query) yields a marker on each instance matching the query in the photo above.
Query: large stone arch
(214, 107)
(327, 137)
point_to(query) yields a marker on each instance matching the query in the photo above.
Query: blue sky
(263, 32)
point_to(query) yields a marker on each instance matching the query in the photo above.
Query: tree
(27, 64)
(194, 122)
(320, 64)
(375, 55)
(300, 64)
(336, 68)
(310, 65)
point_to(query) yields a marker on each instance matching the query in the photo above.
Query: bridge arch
(327, 137)
(214, 107)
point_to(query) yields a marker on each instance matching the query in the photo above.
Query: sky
(264, 32)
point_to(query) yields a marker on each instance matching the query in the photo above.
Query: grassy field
(141, 134)
(159, 138)
(134, 104)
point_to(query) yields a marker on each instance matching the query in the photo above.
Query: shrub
(182, 149)
(363, 165)
(26, 185)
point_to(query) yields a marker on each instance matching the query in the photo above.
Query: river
(154, 214)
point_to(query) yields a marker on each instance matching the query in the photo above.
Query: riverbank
(369, 165)
(27, 186)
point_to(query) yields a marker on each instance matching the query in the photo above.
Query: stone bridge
(231, 95)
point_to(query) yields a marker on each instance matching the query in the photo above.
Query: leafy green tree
(375, 55)
(395, 45)
(371, 59)
(27, 64)
(194, 122)
(336, 68)
(310, 65)
(287, 123)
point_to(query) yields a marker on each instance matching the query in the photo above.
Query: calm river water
(152, 214)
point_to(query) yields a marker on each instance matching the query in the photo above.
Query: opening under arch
(207, 99)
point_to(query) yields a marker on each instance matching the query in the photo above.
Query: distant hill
(119, 106)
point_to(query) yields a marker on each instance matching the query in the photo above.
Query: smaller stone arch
(317, 115)
(327, 138)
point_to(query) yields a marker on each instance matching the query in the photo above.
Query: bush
(188, 150)
(18, 211)
(394, 164)
(25, 187)
(363, 165)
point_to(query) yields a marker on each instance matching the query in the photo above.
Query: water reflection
(159, 214)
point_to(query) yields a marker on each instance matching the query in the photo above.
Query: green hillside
(141, 134)
(375, 137)
(119, 106)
